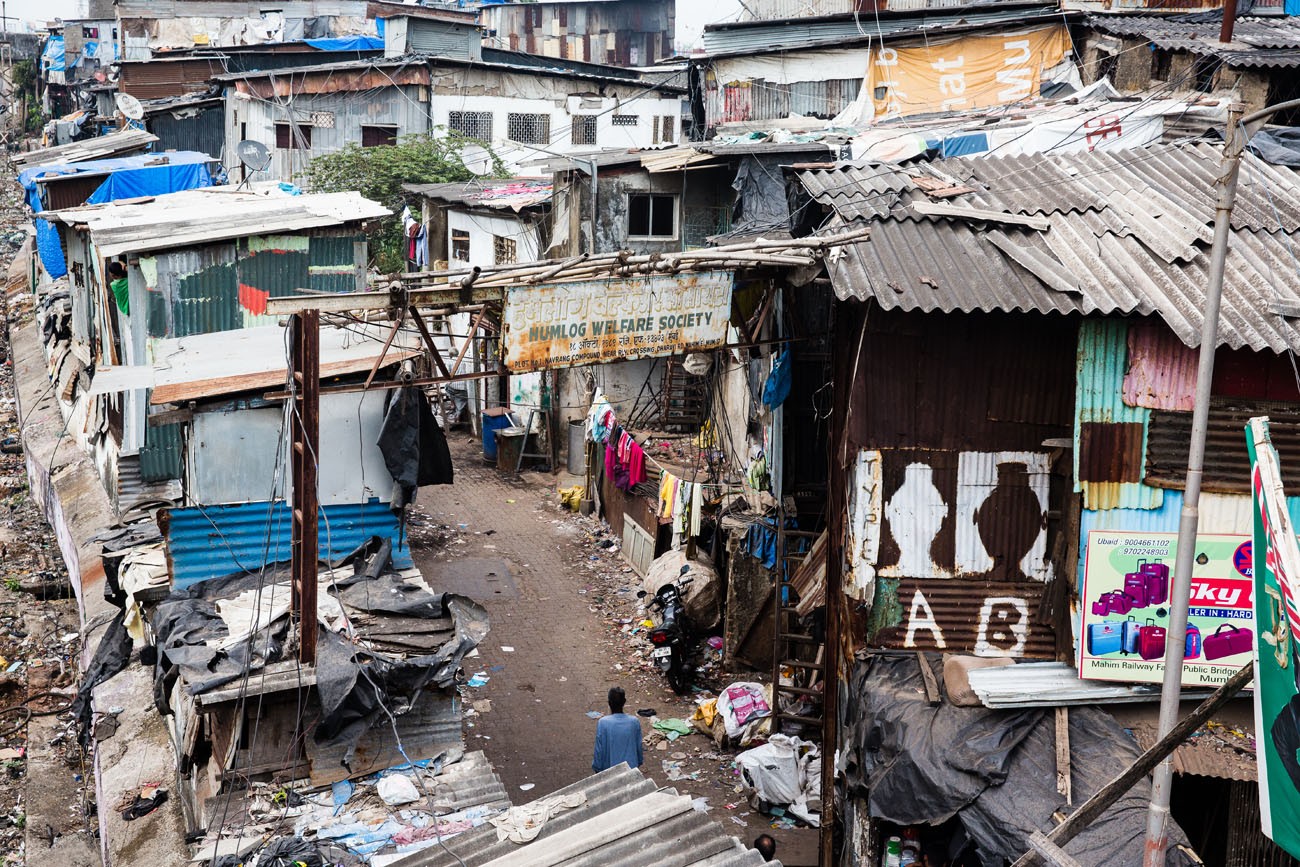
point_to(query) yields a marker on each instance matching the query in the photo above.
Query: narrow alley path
(552, 655)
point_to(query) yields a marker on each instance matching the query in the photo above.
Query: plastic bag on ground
(397, 789)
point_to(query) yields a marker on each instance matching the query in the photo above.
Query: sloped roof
(114, 144)
(516, 194)
(211, 214)
(1117, 232)
(1258, 42)
(622, 819)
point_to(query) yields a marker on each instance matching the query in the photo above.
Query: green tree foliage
(378, 174)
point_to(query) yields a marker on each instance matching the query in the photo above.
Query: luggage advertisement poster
(1126, 585)
(1277, 704)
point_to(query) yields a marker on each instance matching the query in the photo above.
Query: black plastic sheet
(111, 656)
(413, 445)
(358, 686)
(994, 770)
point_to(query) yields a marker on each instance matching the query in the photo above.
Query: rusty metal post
(304, 386)
(1229, 20)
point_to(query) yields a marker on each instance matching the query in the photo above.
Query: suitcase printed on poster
(1129, 636)
(1151, 641)
(1229, 643)
(1103, 637)
(1135, 587)
(1157, 582)
(1192, 646)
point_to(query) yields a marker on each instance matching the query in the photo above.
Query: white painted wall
(482, 228)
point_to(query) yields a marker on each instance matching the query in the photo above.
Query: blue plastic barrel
(493, 420)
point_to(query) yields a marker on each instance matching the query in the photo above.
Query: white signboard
(594, 321)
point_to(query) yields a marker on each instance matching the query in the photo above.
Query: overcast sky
(692, 15)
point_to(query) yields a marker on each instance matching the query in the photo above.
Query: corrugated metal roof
(127, 141)
(1223, 748)
(762, 37)
(514, 195)
(212, 214)
(1256, 42)
(1051, 684)
(223, 540)
(625, 820)
(1128, 234)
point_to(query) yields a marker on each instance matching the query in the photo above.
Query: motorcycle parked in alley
(671, 639)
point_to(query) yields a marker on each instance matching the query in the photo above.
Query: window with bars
(504, 250)
(651, 215)
(471, 124)
(292, 136)
(529, 128)
(584, 129)
(459, 245)
(378, 136)
(625, 119)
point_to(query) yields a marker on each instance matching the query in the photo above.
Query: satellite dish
(253, 154)
(129, 106)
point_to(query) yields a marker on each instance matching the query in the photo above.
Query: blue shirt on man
(618, 739)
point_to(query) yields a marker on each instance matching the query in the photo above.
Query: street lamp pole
(1239, 130)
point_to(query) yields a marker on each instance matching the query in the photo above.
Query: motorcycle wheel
(679, 678)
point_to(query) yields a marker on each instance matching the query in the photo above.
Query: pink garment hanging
(635, 464)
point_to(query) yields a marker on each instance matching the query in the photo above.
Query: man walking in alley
(618, 736)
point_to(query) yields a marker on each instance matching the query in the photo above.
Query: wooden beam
(428, 341)
(1111, 792)
(932, 694)
(1050, 852)
(379, 362)
(1063, 754)
(469, 341)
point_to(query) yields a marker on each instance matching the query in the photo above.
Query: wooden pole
(304, 451)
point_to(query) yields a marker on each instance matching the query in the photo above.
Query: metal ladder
(528, 432)
(791, 645)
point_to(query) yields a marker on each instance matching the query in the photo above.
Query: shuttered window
(292, 136)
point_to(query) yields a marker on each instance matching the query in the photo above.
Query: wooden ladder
(792, 646)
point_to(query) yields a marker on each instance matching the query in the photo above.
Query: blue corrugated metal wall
(222, 540)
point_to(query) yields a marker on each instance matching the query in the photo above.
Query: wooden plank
(983, 215)
(1063, 754)
(932, 694)
(180, 392)
(1111, 792)
(1051, 853)
(278, 677)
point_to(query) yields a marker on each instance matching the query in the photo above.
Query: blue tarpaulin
(52, 59)
(348, 43)
(964, 144)
(127, 178)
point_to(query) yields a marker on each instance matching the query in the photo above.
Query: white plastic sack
(397, 789)
(783, 771)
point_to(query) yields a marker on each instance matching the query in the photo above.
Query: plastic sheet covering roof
(115, 144)
(1259, 42)
(513, 195)
(226, 362)
(1125, 232)
(622, 818)
(994, 770)
(212, 214)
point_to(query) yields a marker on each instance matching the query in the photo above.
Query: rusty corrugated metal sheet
(348, 77)
(984, 619)
(1161, 369)
(156, 79)
(1101, 367)
(1227, 465)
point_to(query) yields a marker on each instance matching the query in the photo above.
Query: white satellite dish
(253, 154)
(129, 106)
